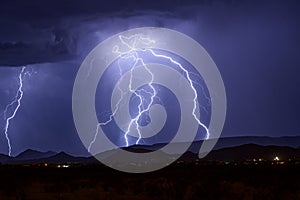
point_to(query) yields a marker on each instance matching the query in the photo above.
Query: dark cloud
(54, 30)
(24, 53)
(32, 9)
(50, 31)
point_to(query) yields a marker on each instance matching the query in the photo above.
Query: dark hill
(251, 151)
(32, 154)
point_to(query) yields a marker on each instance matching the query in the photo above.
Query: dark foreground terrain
(178, 181)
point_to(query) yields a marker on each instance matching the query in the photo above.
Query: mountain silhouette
(30, 154)
(4, 158)
(254, 151)
(235, 149)
(290, 141)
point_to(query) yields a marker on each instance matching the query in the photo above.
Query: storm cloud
(52, 31)
(58, 31)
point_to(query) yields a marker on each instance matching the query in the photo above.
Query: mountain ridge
(229, 148)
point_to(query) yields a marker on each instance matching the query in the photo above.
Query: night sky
(255, 45)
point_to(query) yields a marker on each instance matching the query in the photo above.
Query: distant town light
(63, 166)
(276, 158)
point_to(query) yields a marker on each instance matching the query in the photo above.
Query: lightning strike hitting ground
(110, 117)
(131, 43)
(141, 111)
(16, 100)
(192, 86)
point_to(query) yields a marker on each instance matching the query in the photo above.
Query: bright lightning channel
(192, 86)
(131, 42)
(113, 113)
(16, 100)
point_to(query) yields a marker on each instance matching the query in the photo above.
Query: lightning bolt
(16, 100)
(141, 109)
(192, 87)
(131, 43)
(112, 115)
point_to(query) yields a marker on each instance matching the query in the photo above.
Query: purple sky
(255, 45)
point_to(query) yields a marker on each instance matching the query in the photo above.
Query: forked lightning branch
(140, 98)
(12, 108)
(132, 43)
